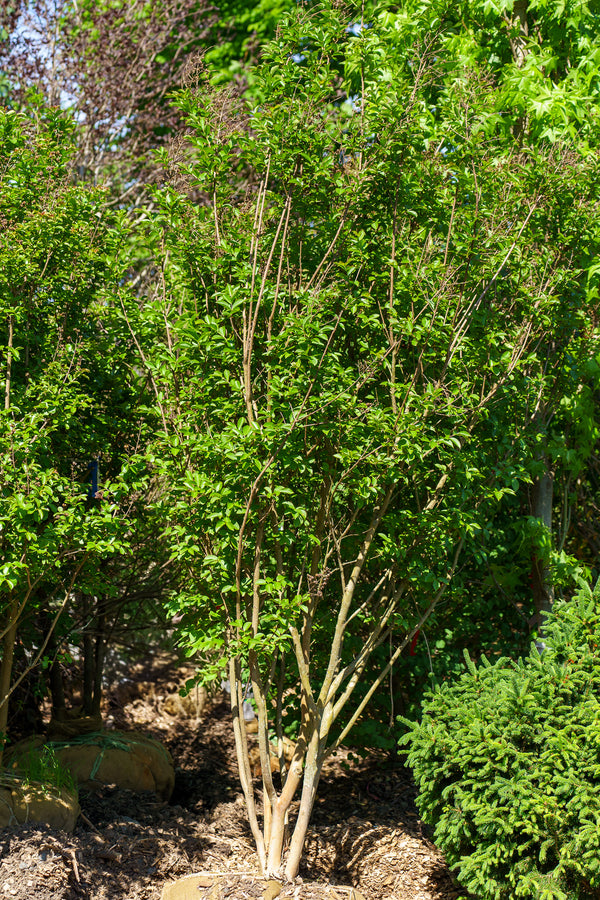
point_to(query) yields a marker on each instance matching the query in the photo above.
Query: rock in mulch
(130, 761)
(206, 886)
(21, 802)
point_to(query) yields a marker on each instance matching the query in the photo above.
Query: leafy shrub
(507, 762)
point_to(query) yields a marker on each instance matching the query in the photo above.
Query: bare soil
(365, 832)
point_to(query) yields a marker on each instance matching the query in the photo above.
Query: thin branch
(385, 671)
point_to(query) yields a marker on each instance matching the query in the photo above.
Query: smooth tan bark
(312, 773)
(280, 810)
(241, 746)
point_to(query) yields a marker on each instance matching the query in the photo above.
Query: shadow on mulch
(441, 880)
(204, 777)
(365, 815)
(356, 806)
(365, 829)
(135, 827)
(378, 789)
(129, 845)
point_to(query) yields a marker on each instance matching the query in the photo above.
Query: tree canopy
(358, 336)
(336, 347)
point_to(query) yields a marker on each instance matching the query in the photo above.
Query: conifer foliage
(507, 760)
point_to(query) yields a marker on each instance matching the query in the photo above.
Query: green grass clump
(39, 766)
(507, 763)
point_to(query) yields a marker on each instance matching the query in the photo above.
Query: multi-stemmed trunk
(318, 713)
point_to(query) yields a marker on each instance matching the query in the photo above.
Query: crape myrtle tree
(346, 343)
(64, 398)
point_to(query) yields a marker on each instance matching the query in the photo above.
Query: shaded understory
(365, 830)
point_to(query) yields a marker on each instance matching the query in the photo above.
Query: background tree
(67, 405)
(540, 61)
(235, 40)
(114, 66)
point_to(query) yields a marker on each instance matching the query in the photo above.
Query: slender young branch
(303, 670)
(372, 642)
(328, 251)
(386, 575)
(8, 363)
(298, 416)
(325, 498)
(336, 645)
(260, 534)
(263, 729)
(258, 218)
(49, 633)
(30, 589)
(386, 670)
(462, 326)
(450, 225)
(279, 717)
(251, 318)
(147, 367)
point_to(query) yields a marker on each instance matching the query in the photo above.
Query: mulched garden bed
(365, 831)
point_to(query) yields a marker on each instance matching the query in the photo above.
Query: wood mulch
(365, 832)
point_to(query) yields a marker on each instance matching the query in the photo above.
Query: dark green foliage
(507, 761)
(72, 552)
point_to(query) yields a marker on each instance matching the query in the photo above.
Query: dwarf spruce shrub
(507, 763)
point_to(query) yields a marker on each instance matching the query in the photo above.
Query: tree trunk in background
(99, 651)
(55, 679)
(87, 695)
(541, 508)
(8, 648)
